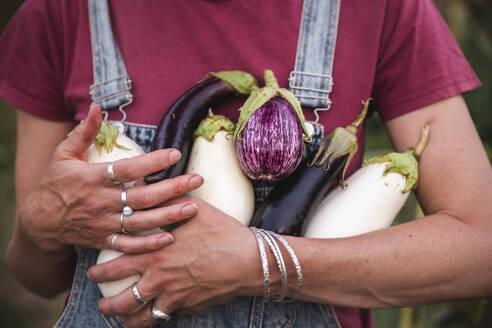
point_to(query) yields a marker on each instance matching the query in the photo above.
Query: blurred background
(469, 21)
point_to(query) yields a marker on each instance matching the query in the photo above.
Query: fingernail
(196, 181)
(167, 239)
(91, 109)
(174, 156)
(188, 210)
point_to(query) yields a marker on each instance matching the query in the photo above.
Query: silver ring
(111, 175)
(159, 316)
(127, 210)
(135, 292)
(113, 240)
(123, 230)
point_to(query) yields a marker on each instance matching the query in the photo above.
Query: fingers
(136, 168)
(126, 302)
(157, 193)
(157, 217)
(79, 140)
(138, 244)
(143, 317)
(118, 268)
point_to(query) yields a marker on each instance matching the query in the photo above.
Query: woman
(398, 52)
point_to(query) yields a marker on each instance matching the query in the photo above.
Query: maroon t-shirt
(398, 52)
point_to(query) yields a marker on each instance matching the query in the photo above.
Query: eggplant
(269, 132)
(213, 156)
(183, 117)
(374, 196)
(111, 145)
(295, 199)
(265, 151)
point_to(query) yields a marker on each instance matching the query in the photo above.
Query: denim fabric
(249, 312)
(111, 88)
(81, 309)
(312, 80)
(142, 135)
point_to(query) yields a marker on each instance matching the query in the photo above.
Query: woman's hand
(213, 260)
(76, 203)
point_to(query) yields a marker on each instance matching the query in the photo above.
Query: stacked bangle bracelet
(270, 238)
(280, 262)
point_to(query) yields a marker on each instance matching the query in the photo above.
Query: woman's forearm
(431, 259)
(445, 255)
(43, 273)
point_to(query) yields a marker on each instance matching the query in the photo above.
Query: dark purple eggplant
(295, 199)
(269, 133)
(183, 117)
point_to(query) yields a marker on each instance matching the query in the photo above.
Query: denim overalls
(311, 81)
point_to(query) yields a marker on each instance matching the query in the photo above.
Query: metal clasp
(300, 91)
(120, 92)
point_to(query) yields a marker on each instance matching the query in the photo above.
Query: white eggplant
(110, 146)
(355, 210)
(213, 156)
(371, 199)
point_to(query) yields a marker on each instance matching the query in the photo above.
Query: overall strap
(312, 80)
(111, 88)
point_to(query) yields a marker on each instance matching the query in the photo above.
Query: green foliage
(461, 314)
(470, 23)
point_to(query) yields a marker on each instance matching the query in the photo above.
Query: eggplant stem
(241, 82)
(352, 128)
(270, 80)
(424, 137)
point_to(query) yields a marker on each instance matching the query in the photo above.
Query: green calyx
(244, 83)
(106, 138)
(405, 163)
(259, 97)
(212, 124)
(340, 142)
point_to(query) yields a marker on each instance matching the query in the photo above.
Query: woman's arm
(37, 139)
(445, 255)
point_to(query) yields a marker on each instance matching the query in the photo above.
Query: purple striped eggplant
(269, 132)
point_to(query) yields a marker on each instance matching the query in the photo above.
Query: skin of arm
(37, 138)
(445, 255)
(442, 256)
